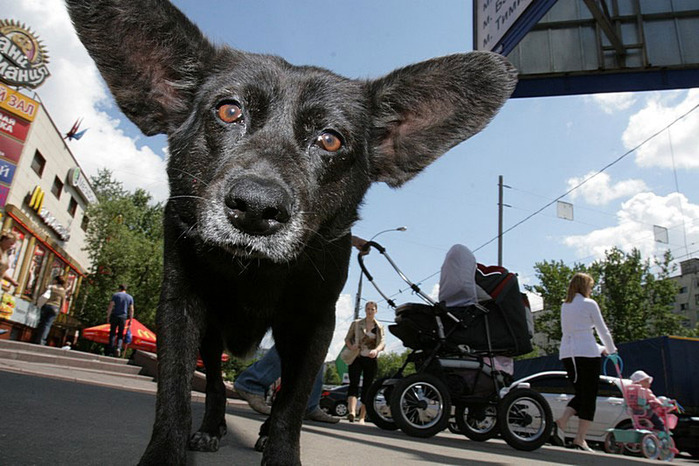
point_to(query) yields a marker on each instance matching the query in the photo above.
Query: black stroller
(454, 352)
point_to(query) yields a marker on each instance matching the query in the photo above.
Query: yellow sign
(18, 104)
(36, 201)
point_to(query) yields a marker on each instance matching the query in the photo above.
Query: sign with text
(18, 104)
(493, 19)
(7, 171)
(13, 126)
(23, 58)
(10, 149)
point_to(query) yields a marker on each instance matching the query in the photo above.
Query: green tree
(125, 243)
(635, 302)
(389, 363)
(331, 377)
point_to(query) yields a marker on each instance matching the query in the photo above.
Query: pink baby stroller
(643, 438)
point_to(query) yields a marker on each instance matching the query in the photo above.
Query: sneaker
(319, 415)
(256, 402)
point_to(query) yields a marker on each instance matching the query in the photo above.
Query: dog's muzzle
(258, 206)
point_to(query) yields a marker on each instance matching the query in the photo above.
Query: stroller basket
(500, 316)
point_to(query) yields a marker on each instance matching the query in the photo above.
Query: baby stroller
(643, 438)
(454, 351)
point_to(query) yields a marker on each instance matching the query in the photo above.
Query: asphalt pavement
(48, 421)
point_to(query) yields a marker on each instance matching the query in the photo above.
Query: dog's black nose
(258, 206)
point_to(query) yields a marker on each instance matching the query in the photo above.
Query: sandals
(350, 417)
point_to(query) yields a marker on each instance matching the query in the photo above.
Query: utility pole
(500, 206)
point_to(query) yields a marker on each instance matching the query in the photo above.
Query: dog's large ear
(423, 110)
(151, 56)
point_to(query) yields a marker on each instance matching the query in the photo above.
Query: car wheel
(479, 423)
(341, 409)
(378, 407)
(421, 405)
(525, 419)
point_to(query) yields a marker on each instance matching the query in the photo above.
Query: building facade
(687, 300)
(44, 196)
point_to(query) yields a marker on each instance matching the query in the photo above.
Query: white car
(611, 411)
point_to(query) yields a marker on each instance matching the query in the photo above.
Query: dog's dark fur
(257, 227)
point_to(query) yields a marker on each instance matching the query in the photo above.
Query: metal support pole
(500, 221)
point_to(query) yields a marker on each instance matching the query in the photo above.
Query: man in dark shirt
(120, 308)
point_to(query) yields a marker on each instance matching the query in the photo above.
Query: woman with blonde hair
(581, 356)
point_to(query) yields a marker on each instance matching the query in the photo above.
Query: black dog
(268, 165)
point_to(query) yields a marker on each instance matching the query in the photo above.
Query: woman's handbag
(348, 355)
(43, 298)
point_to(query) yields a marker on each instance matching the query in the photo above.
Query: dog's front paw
(261, 443)
(201, 441)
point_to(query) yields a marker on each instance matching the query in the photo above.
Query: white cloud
(75, 90)
(610, 103)
(344, 314)
(600, 191)
(657, 114)
(635, 227)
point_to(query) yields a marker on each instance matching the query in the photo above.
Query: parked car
(334, 401)
(611, 411)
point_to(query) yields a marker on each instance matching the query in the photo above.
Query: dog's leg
(178, 327)
(302, 349)
(213, 427)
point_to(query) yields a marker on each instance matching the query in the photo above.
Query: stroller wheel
(525, 419)
(650, 446)
(378, 407)
(667, 449)
(611, 445)
(479, 423)
(421, 405)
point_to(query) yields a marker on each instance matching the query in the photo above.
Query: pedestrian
(50, 309)
(252, 385)
(365, 340)
(7, 242)
(120, 308)
(581, 356)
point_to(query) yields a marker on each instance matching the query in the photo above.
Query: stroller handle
(382, 250)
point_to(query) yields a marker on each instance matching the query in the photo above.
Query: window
(551, 384)
(72, 206)
(38, 163)
(608, 389)
(684, 306)
(683, 290)
(57, 187)
(696, 299)
(84, 223)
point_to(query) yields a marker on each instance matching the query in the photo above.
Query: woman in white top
(581, 355)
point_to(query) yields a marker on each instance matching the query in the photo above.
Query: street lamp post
(361, 274)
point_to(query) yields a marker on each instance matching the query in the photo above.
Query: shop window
(72, 206)
(38, 163)
(85, 223)
(35, 270)
(57, 187)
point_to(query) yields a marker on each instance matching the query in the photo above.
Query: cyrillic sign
(22, 57)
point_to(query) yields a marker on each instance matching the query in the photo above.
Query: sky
(543, 147)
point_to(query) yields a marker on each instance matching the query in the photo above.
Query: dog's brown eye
(329, 141)
(229, 112)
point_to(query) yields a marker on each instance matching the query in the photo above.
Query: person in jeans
(119, 310)
(50, 310)
(252, 385)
